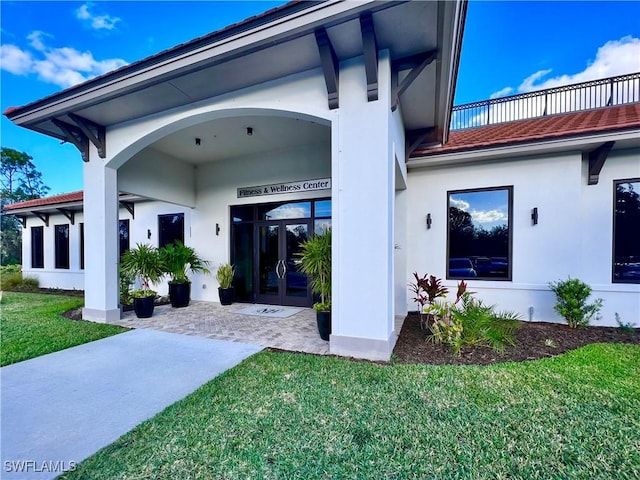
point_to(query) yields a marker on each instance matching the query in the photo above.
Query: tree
(20, 181)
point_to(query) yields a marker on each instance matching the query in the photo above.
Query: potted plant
(144, 262)
(224, 275)
(315, 261)
(177, 259)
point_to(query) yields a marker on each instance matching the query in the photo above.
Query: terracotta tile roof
(543, 128)
(247, 23)
(41, 202)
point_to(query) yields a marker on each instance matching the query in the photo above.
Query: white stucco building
(331, 113)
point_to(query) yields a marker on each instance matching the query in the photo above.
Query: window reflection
(626, 232)
(479, 233)
(285, 211)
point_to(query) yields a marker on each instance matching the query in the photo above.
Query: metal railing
(569, 98)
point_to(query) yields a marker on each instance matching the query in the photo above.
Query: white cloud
(63, 66)
(35, 40)
(459, 204)
(14, 60)
(616, 57)
(502, 93)
(488, 216)
(96, 22)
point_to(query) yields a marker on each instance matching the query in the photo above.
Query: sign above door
(281, 188)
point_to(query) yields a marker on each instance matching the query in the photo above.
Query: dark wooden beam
(130, 206)
(42, 216)
(22, 220)
(70, 214)
(414, 138)
(74, 135)
(417, 63)
(329, 63)
(370, 50)
(597, 158)
(94, 132)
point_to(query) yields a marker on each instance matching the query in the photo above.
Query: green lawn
(32, 326)
(280, 415)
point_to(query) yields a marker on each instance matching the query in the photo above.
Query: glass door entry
(277, 277)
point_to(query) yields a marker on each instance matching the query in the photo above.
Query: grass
(32, 326)
(281, 415)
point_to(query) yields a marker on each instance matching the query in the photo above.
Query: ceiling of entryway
(228, 138)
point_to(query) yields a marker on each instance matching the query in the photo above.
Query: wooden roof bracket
(330, 67)
(94, 132)
(82, 133)
(596, 158)
(417, 63)
(22, 219)
(415, 138)
(70, 214)
(130, 206)
(42, 216)
(74, 135)
(370, 50)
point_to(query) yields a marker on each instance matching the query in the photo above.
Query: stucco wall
(216, 187)
(573, 236)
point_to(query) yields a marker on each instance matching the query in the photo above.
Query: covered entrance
(265, 240)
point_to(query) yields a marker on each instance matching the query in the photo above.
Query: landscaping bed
(532, 341)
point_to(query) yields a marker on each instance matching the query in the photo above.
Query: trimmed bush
(571, 302)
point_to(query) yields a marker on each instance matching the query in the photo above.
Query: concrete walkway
(61, 408)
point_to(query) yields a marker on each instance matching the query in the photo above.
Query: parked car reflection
(462, 268)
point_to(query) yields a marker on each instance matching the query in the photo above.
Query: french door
(277, 277)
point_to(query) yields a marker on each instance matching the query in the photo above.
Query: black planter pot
(179, 294)
(143, 306)
(324, 324)
(226, 295)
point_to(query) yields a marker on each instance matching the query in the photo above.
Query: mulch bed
(413, 346)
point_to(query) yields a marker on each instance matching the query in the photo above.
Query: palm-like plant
(315, 261)
(178, 259)
(225, 274)
(144, 262)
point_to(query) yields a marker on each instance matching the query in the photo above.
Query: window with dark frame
(81, 246)
(626, 231)
(123, 235)
(62, 246)
(479, 233)
(170, 228)
(37, 247)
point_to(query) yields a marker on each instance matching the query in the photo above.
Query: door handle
(278, 270)
(284, 268)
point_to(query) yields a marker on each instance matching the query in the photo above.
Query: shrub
(426, 290)
(15, 282)
(571, 302)
(468, 321)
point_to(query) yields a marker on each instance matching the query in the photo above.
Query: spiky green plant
(315, 261)
(144, 262)
(225, 274)
(178, 260)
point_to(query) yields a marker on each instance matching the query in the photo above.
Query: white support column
(100, 241)
(363, 194)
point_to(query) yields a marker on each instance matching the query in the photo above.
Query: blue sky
(509, 47)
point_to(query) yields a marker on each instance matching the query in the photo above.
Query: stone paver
(298, 333)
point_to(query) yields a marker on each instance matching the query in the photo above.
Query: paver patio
(297, 333)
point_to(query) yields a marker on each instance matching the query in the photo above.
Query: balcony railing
(569, 98)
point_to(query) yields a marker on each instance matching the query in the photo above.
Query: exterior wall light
(148, 234)
(428, 221)
(249, 131)
(217, 229)
(198, 141)
(534, 216)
